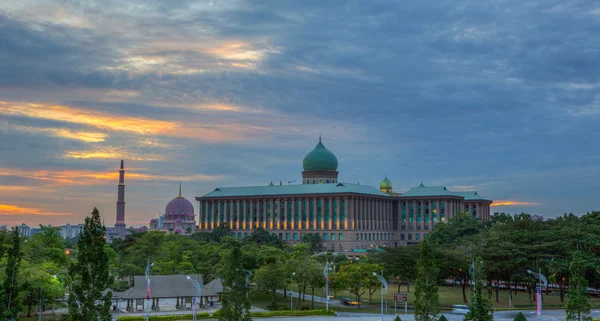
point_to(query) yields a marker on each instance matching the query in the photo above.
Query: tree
(90, 274)
(355, 278)
(270, 277)
(236, 305)
(481, 305)
(261, 237)
(315, 278)
(426, 290)
(10, 302)
(313, 240)
(578, 307)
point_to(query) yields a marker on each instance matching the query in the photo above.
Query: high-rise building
(347, 217)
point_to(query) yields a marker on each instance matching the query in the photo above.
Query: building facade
(348, 217)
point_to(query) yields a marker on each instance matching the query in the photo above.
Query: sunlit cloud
(14, 188)
(240, 51)
(88, 177)
(8, 209)
(138, 125)
(89, 137)
(514, 203)
(214, 132)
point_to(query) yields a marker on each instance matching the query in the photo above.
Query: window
(401, 236)
(314, 181)
(287, 236)
(281, 236)
(418, 236)
(325, 238)
(327, 181)
(245, 234)
(410, 236)
(239, 236)
(333, 236)
(295, 236)
(341, 236)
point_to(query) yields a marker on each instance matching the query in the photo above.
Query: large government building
(348, 217)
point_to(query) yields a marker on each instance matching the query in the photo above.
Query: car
(349, 301)
(460, 309)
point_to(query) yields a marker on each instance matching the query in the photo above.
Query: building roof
(294, 189)
(164, 286)
(216, 286)
(386, 183)
(425, 191)
(320, 159)
(472, 196)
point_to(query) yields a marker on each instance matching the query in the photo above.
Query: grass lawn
(450, 295)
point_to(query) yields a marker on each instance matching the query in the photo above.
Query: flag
(148, 290)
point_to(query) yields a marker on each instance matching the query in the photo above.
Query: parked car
(349, 301)
(460, 309)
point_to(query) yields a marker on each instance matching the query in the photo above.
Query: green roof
(472, 196)
(294, 189)
(320, 159)
(424, 191)
(386, 183)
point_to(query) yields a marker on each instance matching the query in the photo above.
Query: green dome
(385, 184)
(320, 159)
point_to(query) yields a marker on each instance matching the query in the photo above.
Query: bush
(304, 307)
(291, 313)
(398, 318)
(217, 313)
(520, 317)
(443, 318)
(206, 315)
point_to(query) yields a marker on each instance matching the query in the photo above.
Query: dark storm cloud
(46, 55)
(501, 96)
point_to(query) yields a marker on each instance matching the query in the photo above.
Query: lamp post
(147, 273)
(543, 281)
(291, 295)
(326, 274)
(384, 286)
(247, 274)
(198, 287)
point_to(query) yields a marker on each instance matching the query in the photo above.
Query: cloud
(8, 209)
(87, 177)
(514, 203)
(90, 137)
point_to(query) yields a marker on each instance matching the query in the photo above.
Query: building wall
(344, 222)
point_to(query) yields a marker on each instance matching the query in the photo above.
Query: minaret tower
(120, 228)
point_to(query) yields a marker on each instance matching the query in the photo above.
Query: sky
(501, 97)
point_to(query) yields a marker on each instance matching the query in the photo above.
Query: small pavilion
(166, 287)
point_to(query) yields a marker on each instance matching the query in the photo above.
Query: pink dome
(179, 207)
(153, 220)
(178, 231)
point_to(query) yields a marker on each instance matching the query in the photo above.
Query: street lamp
(543, 281)
(247, 274)
(384, 287)
(291, 295)
(198, 287)
(147, 273)
(326, 274)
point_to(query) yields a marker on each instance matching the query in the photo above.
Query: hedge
(202, 315)
(206, 315)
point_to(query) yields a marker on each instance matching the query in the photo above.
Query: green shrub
(202, 315)
(398, 318)
(443, 318)
(520, 317)
(217, 313)
(291, 313)
(206, 315)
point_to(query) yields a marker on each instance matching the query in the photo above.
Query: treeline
(510, 245)
(45, 266)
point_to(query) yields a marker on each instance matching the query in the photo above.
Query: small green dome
(320, 159)
(385, 184)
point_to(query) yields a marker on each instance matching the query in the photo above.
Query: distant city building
(24, 230)
(537, 218)
(71, 231)
(119, 230)
(179, 217)
(3, 228)
(348, 217)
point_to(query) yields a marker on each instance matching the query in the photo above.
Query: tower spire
(319, 137)
(122, 164)
(179, 188)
